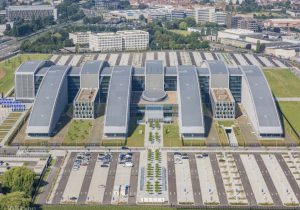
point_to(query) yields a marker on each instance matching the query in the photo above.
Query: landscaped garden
(9, 66)
(171, 136)
(78, 132)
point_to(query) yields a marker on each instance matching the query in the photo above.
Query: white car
(128, 164)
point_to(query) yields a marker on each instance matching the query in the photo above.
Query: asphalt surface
(64, 179)
(110, 181)
(195, 180)
(192, 58)
(289, 176)
(171, 179)
(134, 178)
(46, 190)
(218, 179)
(270, 185)
(244, 178)
(87, 179)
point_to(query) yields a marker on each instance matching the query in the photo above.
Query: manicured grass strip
(222, 135)
(136, 136)
(9, 66)
(103, 207)
(291, 110)
(238, 134)
(171, 136)
(226, 123)
(273, 143)
(283, 82)
(113, 142)
(78, 132)
(194, 143)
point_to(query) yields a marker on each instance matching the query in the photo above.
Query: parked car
(104, 165)
(128, 164)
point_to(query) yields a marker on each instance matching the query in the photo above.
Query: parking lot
(178, 178)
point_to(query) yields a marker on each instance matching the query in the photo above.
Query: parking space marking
(171, 179)
(87, 179)
(110, 179)
(218, 179)
(134, 178)
(64, 179)
(195, 180)
(244, 178)
(266, 175)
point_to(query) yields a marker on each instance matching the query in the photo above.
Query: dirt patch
(2, 73)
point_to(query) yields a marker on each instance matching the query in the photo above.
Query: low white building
(80, 37)
(134, 40)
(105, 42)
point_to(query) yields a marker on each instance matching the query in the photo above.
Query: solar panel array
(16, 106)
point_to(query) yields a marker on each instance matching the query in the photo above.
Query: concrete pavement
(111, 179)
(171, 179)
(195, 180)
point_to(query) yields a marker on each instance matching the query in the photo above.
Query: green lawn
(283, 82)
(291, 111)
(78, 132)
(103, 207)
(171, 136)
(222, 135)
(226, 123)
(136, 138)
(181, 32)
(8, 67)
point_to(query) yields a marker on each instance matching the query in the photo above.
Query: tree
(183, 26)
(14, 200)
(19, 179)
(257, 46)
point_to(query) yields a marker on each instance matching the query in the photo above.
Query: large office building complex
(106, 42)
(153, 91)
(30, 11)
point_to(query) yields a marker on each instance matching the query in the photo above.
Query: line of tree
(69, 10)
(161, 38)
(18, 185)
(23, 28)
(48, 42)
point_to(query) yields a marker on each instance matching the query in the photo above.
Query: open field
(78, 132)
(8, 67)
(171, 136)
(181, 32)
(291, 110)
(283, 82)
(136, 136)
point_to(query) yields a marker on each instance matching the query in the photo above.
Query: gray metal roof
(203, 71)
(138, 71)
(46, 97)
(235, 71)
(262, 97)
(117, 106)
(74, 71)
(92, 67)
(171, 71)
(106, 71)
(154, 67)
(190, 98)
(31, 66)
(217, 67)
(42, 71)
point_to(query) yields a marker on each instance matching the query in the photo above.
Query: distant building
(121, 40)
(205, 14)
(30, 11)
(80, 37)
(250, 24)
(105, 42)
(107, 4)
(283, 23)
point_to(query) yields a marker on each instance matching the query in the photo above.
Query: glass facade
(73, 87)
(104, 85)
(37, 82)
(235, 86)
(138, 83)
(204, 88)
(170, 83)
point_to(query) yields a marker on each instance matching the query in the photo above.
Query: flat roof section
(87, 95)
(235, 71)
(217, 67)
(92, 67)
(31, 66)
(190, 98)
(117, 107)
(46, 96)
(222, 95)
(263, 100)
(154, 67)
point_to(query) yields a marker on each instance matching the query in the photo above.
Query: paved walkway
(289, 99)
(111, 179)
(172, 180)
(195, 180)
(46, 190)
(134, 178)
